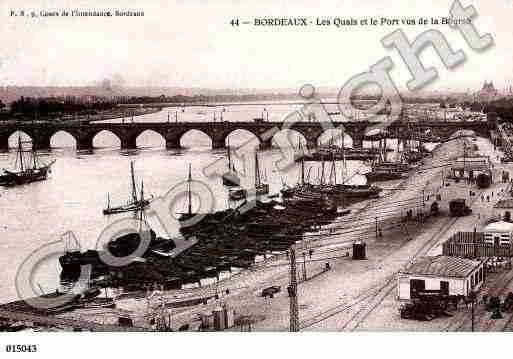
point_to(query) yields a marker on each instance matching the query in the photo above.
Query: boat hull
(133, 207)
(11, 178)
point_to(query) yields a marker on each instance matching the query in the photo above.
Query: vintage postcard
(255, 166)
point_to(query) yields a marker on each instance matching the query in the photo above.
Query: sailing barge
(231, 178)
(26, 170)
(339, 192)
(135, 203)
(260, 189)
(339, 154)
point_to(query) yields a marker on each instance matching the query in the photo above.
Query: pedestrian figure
(488, 198)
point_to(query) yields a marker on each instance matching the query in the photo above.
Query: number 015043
(21, 348)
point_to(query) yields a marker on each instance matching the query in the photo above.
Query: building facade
(449, 276)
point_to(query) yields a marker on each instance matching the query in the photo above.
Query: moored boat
(261, 188)
(231, 178)
(134, 204)
(26, 170)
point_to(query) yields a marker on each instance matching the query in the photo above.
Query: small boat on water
(64, 308)
(231, 178)
(340, 154)
(383, 170)
(184, 216)
(91, 292)
(98, 303)
(26, 170)
(144, 240)
(260, 187)
(237, 194)
(134, 204)
(378, 175)
(387, 171)
(338, 191)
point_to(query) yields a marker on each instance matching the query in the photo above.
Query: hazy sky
(191, 44)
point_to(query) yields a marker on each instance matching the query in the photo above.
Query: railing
(472, 245)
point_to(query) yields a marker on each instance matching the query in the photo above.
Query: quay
(353, 294)
(360, 294)
(40, 320)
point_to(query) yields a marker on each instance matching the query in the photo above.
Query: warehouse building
(498, 233)
(444, 275)
(503, 210)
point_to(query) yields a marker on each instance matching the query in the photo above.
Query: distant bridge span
(172, 132)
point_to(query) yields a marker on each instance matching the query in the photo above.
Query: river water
(73, 197)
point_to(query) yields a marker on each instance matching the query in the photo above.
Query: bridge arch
(150, 138)
(25, 138)
(106, 138)
(336, 137)
(242, 138)
(62, 139)
(195, 138)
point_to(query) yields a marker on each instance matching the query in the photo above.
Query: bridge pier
(85, 143)
(218, 143)
(41, 143)
(267, 144)
(4, 143)
(357, 142)
(173, 144)
(311, 144)
(128, 144)
(172, 139)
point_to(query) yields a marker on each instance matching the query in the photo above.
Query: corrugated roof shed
(499, 226)
(504, 203)
(443, 266)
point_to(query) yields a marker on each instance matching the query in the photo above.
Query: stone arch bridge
(172, 132)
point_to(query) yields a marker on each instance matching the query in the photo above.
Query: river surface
(73, 197)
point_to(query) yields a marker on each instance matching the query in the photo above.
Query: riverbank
(117, 113)
(325, 294)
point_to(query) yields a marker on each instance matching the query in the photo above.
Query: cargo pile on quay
(226, 240)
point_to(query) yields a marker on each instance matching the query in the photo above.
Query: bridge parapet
(218, 131)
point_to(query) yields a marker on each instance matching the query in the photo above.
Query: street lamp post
(472, 296)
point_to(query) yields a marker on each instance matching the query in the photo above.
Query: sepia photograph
(255, 168)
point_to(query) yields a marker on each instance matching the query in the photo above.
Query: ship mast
(257, 171)
(322, 172)
(20, 153)
(134, 190)
(34, 158)
(334, 169)
(142, 193)
(142, 214)
(343, 157)
(141, 207)
(229, 157)
(189, 180)
(300, 148)
(302, 171)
